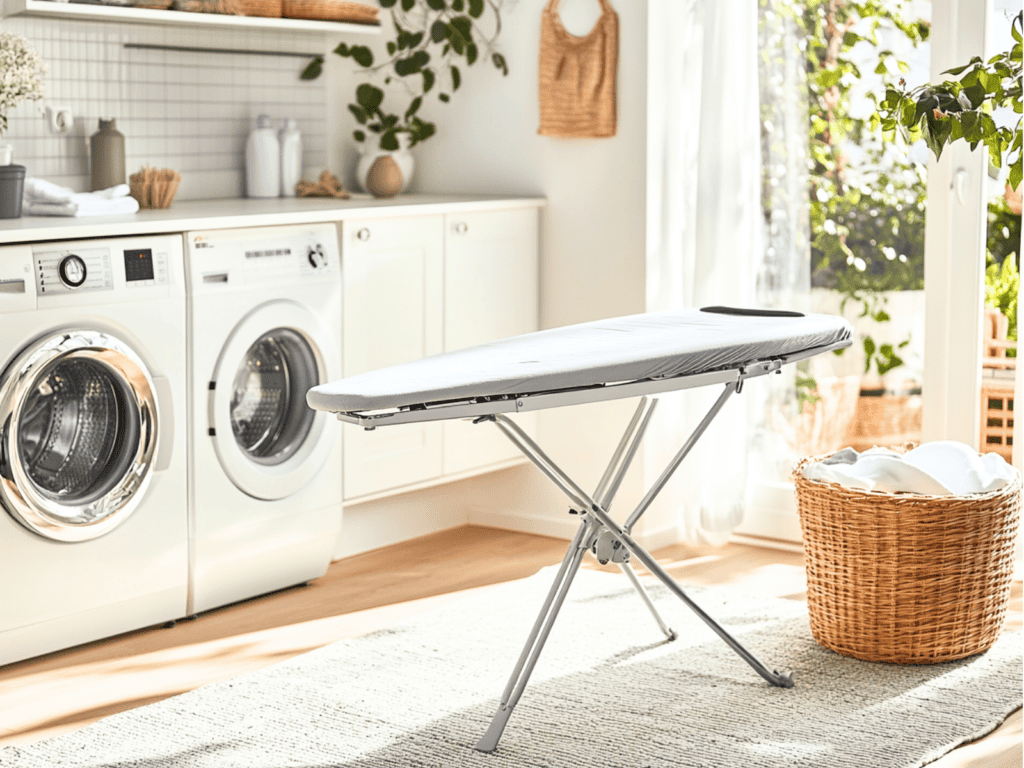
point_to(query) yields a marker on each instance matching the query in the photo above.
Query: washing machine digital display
(138, 264)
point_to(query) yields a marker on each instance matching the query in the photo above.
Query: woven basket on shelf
(270, 9)
(906, 578)
(331, 10)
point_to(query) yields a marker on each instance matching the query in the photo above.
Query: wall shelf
(127, 14)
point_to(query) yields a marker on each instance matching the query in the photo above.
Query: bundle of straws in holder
(154, 187)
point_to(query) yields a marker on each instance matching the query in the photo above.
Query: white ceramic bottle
(291, 157)
(263, 161)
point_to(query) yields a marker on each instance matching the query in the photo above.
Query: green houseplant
(433, 41)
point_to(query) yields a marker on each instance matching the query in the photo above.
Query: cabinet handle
(461, 228)
(363, 234)
(15, 285)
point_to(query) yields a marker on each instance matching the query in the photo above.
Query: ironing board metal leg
(533, 452)
(669, 632)
(678, 458)
(603, 487)
(538, 636)
(605, 496)
(595, 520)
(782, 680)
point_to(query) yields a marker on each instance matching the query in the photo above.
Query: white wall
(592, 231)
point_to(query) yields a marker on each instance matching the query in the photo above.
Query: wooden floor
(60, 692)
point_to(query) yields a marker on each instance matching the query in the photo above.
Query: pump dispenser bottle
(263, 161)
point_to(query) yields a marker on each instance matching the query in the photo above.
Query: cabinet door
(490, 292)
(392, 314)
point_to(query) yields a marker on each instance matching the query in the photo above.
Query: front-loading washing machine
(265, 482)
(93, 504)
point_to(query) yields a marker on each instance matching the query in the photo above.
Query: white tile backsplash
(187, 111)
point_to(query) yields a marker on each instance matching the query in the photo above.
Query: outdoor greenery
(866, 214)
(1002, 284)
(433, 41)
(961, 109)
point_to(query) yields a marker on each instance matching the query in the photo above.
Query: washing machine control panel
(268, 256)
(144, 266)
(315, 256)
(82, 268)
(64, 271)
(72, 271)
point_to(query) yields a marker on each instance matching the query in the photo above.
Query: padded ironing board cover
(621, 349)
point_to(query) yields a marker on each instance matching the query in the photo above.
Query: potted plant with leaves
(21, 78)
(433, 42)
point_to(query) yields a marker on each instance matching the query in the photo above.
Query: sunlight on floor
(46, 706)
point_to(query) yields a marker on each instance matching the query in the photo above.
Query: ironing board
(639, 355)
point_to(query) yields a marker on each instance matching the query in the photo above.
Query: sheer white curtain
(706, 231)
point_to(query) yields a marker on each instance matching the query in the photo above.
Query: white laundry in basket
(940, 468)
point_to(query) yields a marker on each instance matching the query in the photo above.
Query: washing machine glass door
(269, 441)
(77, 435)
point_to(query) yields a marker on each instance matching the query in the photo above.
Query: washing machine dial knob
(315, 254)
(72, 271)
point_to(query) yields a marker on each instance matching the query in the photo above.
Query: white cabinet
(490, 292)
(417, 286)
(393, 292)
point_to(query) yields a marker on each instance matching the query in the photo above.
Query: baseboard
(563, 527)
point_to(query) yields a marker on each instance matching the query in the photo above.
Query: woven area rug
(608, 691)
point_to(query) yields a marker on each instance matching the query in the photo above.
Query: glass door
(844, 234)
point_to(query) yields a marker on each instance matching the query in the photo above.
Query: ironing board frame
(537, 401)
(598, 532)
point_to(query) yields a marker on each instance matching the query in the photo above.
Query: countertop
(192, 215)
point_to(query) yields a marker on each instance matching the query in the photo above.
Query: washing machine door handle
(165, 423)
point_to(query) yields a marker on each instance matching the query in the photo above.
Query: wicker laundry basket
(906, 578)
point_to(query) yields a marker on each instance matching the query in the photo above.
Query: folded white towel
(44, 198)
(941, 468)
(43, 191)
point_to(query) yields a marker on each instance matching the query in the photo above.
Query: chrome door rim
(18, 493)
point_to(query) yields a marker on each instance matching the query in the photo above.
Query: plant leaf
(438, 31)
(428, 79)
(413, 106)
(456, 78)
(359, 113)
(313, 69)
(369, 97)
(476, 8)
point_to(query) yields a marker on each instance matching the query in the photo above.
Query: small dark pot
(12, 184)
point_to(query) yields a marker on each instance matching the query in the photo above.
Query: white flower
(889, 252)
(829, 226)
(21, 74)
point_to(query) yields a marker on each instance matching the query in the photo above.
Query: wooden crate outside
(997, 418)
